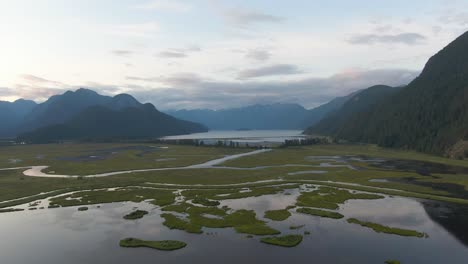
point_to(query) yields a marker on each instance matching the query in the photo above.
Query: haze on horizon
(217, 54)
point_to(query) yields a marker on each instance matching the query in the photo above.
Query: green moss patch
(136, 215)
(168, 245)
(330, 198)
(205, 202)
(277, 215)
(159, 197)
(318, 212)
(385, 229)
(283, 241)
(174, 222)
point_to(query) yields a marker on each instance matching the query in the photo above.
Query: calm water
(67, 236)
(253, 136)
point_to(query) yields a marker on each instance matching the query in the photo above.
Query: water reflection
(67, 236)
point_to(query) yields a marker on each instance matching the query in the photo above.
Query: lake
(247, 136)
(65, 235)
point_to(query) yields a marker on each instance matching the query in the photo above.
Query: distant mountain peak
(122, 101)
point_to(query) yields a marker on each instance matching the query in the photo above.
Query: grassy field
(13, 185)
(87, 159)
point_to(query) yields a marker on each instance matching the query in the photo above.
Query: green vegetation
(243, 221)
(173, 222)
(329, 198)
(392, 262)
(159, 197)
(205, 202)
(136, 215)
(178, 208)
(385, 229)
(9, 210)
(321, 213)
(14, 185)
(161, 245)
(296, 227)
(83, 208)
(284, 241)
(277, 215)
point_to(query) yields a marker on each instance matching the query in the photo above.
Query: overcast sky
(219, 53)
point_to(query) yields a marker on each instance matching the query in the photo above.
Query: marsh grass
(10, 210)
(330, 198)
(159, 197)
(283, 241)
(321, 213)
(136, 215)
(167, 245)
(205, 202)
(388, 230)
(277, 215)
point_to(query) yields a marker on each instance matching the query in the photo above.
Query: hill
(429, 115)
(11, 114)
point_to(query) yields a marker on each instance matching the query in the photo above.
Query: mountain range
(430, 114)
(260, 117)
(84, 114)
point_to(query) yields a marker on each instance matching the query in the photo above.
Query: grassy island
(136, 215)
(321, 213)
(283, 241)
(385, 229)
(167, 245)
(277, 215)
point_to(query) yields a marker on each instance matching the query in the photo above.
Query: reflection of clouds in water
(395, 212)
(264, 203)
(65, 235)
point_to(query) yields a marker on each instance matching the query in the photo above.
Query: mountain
(104, 123)
(429, 115)
(353, 113)
(261, 117)
(11, 114)
(60, 108)
(317, 114)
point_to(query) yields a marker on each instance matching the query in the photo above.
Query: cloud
(278, 69)
(178, 52)
(123, 53)
(30, 92)
(403, 38)
(460, 18)
(188, 90)
(165, 5)
(244, 17)
(147, 29)
(182, 79)
(33, 80)
(258, 55)
(171, 54)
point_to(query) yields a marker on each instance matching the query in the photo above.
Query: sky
(187, 54)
